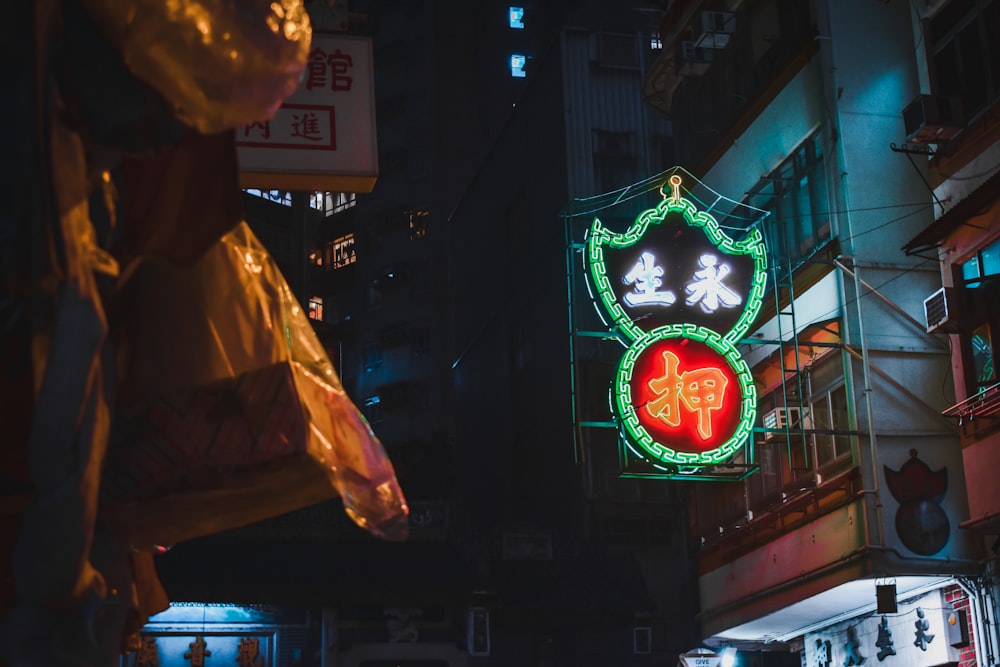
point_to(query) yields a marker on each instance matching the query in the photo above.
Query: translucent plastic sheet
(223, 361)
(221, 63)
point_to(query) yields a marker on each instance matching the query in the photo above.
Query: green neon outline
(600, 236)
(638, 433)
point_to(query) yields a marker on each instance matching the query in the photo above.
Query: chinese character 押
(700, 391)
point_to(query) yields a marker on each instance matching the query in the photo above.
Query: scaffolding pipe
(869, 407)
(892, 304)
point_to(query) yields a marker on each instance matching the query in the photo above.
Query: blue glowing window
(517, 66)
(517, 17)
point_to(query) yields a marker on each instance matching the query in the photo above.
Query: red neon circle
(685, 395)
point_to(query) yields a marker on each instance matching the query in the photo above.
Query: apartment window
(418, 219)
(340, 253)
(617, 50)
(828, 412)
(420, 340)
(655, 42)
(615, 163)
(795, 194)
(517, 63)
(372, 353)
(277, 196)
(373, 409)
(827, 421)
(980, 283)
(375, 294)
(393, 336)
(316, 308)
(965, 52)
(330, 203)
(516, 17)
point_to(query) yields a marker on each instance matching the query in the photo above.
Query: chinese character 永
(646, 276)
(922, 625)
(325, 67)
(699, 391)
(248, 653)
(198, 652)
(706, 286)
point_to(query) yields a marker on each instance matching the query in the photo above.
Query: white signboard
(323, 136)
(915, 636)
(699, 660)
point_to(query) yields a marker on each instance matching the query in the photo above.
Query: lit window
(343, 201)
(517, 66)
(316, 308)
(373, 409)
(979, 276)
(654, 40)
(342, 252)
(418, 224)
(277, 196)
(517, 17)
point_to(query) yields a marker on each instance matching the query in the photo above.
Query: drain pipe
(983, 642)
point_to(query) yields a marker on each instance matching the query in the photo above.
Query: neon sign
(682, 392)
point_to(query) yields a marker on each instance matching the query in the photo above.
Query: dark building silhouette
(442, 298)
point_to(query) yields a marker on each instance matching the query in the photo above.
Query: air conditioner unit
(690, 59)
(940, 312)
(791, 418)
(931, 119)
(712, 30)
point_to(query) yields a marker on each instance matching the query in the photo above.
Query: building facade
(441, 298)
(847, 541)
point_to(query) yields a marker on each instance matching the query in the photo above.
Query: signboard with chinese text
(915, 636)
(323, 136)
(680, 293)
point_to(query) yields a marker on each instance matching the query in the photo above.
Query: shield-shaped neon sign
(681, 292)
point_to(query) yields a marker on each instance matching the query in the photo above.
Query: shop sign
(680, 293)
(700, 659)
(323, 136)
(242, 650)
(915, 636)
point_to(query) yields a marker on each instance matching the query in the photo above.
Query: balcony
(985, 404)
